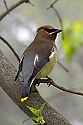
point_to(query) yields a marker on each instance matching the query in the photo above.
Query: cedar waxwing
(38, 58)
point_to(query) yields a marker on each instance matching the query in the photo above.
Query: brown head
(48, 31)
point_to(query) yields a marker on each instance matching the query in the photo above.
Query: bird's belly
(46, 70)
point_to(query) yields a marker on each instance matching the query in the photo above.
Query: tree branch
(13, 7)
(7, 74)
(49, 81)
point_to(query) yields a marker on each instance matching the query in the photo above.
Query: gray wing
(30, 67)
(19, 69)
(27, 68)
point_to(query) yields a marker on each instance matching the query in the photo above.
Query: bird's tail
(26, 87)
(25, 90)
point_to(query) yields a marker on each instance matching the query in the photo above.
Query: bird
(38, 58)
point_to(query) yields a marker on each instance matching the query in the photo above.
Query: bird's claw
(49, 81)
(37, 82)
(48, 84)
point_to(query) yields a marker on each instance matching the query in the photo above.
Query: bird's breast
(46, 70)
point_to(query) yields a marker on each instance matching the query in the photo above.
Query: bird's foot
(48, 84)
(49, 81)
(37, 82)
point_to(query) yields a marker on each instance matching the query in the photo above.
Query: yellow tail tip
(24, 99)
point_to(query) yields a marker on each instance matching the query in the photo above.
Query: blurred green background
(19, 28)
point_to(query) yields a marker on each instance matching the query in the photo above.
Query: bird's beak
(55, 31)
(58, 31)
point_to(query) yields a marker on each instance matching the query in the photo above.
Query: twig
(13, 7)
(56, 11)
(66, 69)
(58, 16)
(49, 81)
(6, 42)
(52, 4)
(60, 20)
(5, 3)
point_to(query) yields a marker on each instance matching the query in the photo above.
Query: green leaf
(73, 38)
(37, 117)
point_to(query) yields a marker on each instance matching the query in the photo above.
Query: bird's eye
(49, 30)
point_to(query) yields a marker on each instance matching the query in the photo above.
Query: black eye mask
(50, 30)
